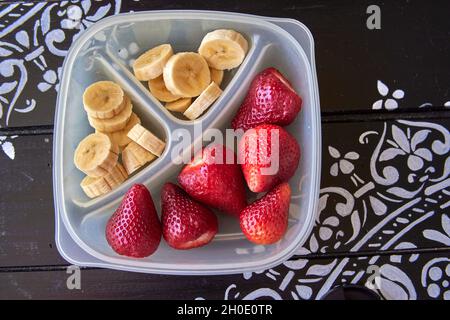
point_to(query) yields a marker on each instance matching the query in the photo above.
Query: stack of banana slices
(117, 129)
(189, 82)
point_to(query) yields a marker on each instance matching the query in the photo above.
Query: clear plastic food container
(105, 52)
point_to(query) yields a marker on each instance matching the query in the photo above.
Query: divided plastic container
(105, 52)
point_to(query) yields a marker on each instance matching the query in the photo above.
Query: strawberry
(270, 99)
(266, 162)
(265, 220)
(186, 223)
(134, 229)
(210, 179)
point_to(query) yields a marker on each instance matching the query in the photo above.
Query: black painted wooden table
(385, 193)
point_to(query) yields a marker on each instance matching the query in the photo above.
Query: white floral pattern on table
(40, 47)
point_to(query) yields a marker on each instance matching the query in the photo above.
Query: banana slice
(186, 74)
(146, 139)
(223, 49)
(96, 155)
(159, 90)
(120, 137)
(115, 123)
(216, 75)
(203, 102)
(103, 99)
(179, 105)
(151, 63)
(134, 157)
(94, 187)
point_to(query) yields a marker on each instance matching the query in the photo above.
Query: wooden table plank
(359, 209)
(300, 279)
(410, 52)
(26, 203)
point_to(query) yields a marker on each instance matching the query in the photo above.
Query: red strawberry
(134, 229)
(214, 181)
(186, 223)
(270, 99)
(265, 161)
(265, 220)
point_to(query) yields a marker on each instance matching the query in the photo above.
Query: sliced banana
(216, 75)
(203, 102)
(115, 123)
(94, 187)
(120, 137)
(146, 139)
(134, 157)
(223, 49)
(159, 90)
(103, 99)
(96, 155)
(179, 105)
(151, 63)
(186, 74)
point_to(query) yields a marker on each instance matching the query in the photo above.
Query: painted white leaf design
(323, 202)
(325, 233)
(334, 152)
(346, 166)
(5, 52)
(419, 137)
(43, 86)
(379, 208)
(7, 87)
(391, 278)
(86, 5)
(313, 245)
(446, 224)
(302, 251)
(351, 155)
(405, 245)
(22, 38)
(390, 154)
(382, 88)
(69, 24)
(391, 104)
(296, 264)
(356, 226)
(8, 149)
(45, 20)
(415, 163)
(400, 138)
(304, 292)
(402, 193)
(377, 105)
(424, 153)
(50, 76)
(331, 221)
(398, 94)
(334, 169)
(321, 270)
(392, 291)
(436, 236)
